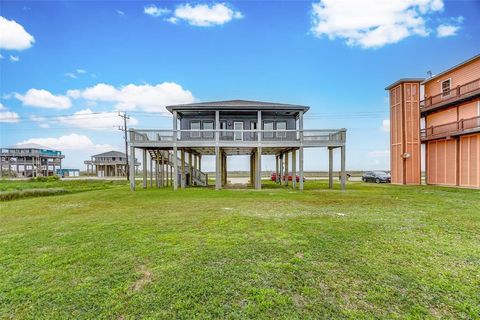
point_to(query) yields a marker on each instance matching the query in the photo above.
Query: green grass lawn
(374, 251)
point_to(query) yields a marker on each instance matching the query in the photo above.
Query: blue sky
(66, 67)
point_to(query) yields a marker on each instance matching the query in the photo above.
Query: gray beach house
(227, 128)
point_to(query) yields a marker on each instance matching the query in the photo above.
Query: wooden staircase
(199, 178)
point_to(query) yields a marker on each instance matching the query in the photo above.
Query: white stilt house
(226, 128)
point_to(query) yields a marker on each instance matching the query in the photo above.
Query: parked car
(273, 177)
(376, 176)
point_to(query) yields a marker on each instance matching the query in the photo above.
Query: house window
(268, 129)
(195, 125)
(445, 88)
(223, 126)
(208, 127)
(281, 126)
(238, 133)
(253, 126)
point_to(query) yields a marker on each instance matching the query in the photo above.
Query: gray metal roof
(112, 153)
(396, 83)
(452, 68)
(30, 146)
(237, 104)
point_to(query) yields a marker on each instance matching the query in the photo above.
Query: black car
(376, 176)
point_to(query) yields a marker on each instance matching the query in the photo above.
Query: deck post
(182, 169)
(218, 182)
(144, 163)
(157, 171)
(132, 172)
(151, 171)
(330, 167)
(190, 168)
(300, 168)
(175, 168)
(162, 172)
(294, 169)
(258, 167)
(199, 162)
(225, 172)
(251, 170)
(286, 169)
(343, 175)
(276, 168)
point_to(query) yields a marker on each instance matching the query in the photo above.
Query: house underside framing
(166, 159)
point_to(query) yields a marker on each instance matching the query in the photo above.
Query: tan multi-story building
(446, 121)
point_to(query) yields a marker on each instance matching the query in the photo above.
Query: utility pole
(125, 130)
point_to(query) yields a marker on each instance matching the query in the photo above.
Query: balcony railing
(463, 126)
(449, 96)
(168, 136)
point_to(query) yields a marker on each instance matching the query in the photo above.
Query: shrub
(45, 179)
(18, 194)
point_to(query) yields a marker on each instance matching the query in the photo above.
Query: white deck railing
(153, 135)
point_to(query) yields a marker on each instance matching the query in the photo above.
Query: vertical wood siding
(412, 132)
(470, 161)
(442, 162)
(396, 165)
(462, 75)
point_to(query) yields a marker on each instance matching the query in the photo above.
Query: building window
(208, 127)
(253, 126)
(195, 125)
(223, 126)
(445, 88)
(238, 133)
(268, 127)
(281, 126)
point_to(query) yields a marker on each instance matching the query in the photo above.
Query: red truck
(273, 177)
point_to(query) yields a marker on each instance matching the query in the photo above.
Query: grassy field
(374, 251)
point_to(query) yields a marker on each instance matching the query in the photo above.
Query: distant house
(108, 164)
(446, 120)
(66, 172)
(228, 128)
(29, 160)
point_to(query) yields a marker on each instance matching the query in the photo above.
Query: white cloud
(120, 12)
(8, 116)
(14, 58)
(152, 98)
(155, 11)
(44, 99)
(1, 57)
(81, 71)
(445, 30)
(372, 23)
(204, 15)
(69, 142)
(70, 75)
(75, 147)
(386, 125)
(13, 36)
(87, 119)
(42, 121)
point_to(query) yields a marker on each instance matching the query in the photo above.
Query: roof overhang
(476, 57)
(234, 105)
(404, 80)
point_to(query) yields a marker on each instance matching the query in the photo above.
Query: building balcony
(461, 93)
(451, 129)
(199, 138)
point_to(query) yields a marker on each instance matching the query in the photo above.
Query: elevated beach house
(29, 160)
(227, 128)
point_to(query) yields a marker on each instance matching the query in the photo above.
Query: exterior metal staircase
(199, 178)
